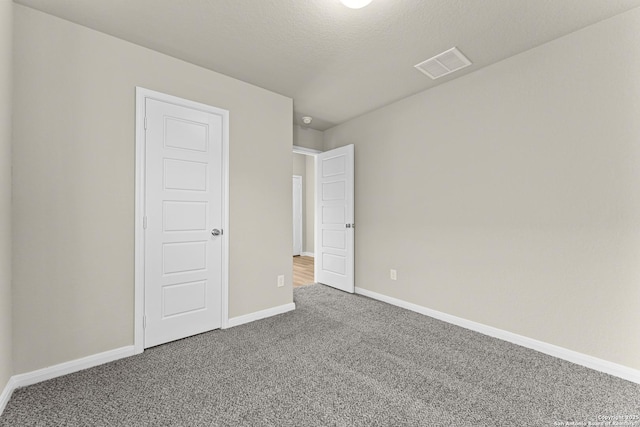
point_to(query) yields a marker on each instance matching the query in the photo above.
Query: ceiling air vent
(445, 63)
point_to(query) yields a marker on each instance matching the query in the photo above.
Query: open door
(334, 246)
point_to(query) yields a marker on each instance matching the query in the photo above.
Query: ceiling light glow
(355, 4)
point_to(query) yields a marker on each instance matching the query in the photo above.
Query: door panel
(334, 239)
(335, 218)
(185, 175)
(183, 203)
(183, 257)
(183, 298)
(334, 215)
(186, 135)
(184, 216)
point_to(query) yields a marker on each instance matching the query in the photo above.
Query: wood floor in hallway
(302, 270)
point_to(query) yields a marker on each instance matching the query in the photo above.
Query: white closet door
(184, 208)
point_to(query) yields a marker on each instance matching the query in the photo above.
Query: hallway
(302, 270)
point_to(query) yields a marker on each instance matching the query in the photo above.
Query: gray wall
(299, 164)
(304, 166)
(511, 196)
(6, 34)
(300, 169)
(307, 137)
(74, 186)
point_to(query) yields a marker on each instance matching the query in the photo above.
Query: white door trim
(297, 203)
(141, 95)
(306, 151)
(313, 153)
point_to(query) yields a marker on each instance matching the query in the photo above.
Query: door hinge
(350, 225)
(144, 322)
(144, 222)
(145, 122)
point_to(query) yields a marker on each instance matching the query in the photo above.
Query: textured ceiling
(336, 63)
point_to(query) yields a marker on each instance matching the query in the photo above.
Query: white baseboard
(33, 377)
(262, 314)
(6, 394)
(591, 362)
(311, 254)
(22, 380)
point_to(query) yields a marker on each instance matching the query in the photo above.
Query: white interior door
(184, 207)
(297, 215)
(335, 218)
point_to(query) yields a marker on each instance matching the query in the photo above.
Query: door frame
(300, 223)
(313, 153)
(141, 95)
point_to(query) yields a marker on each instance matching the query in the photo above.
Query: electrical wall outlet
(393, 274)
(281, 280)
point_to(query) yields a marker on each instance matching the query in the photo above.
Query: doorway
(304, 260)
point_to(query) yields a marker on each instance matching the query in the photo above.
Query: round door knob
(216, 232)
